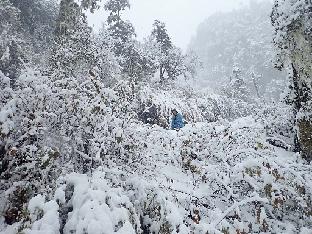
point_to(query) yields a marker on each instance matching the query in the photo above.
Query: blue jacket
(177, 121)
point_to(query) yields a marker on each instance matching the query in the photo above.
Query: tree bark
(303, 140)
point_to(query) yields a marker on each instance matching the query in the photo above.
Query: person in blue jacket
(176, 120)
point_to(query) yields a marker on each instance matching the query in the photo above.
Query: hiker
(176, 120)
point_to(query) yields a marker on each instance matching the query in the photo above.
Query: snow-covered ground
(77, 155)
(220, 177)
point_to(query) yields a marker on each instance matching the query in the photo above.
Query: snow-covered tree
(122, 31)
(241, 36)
(138, 63)
(38, 22)
(11, 53)
(105, 64)
(292, 22)
(170, 60)
(177, 63)
(134, 60)
(71, 50)
(92, 5)
(236, 88)
(26, 33)
(160, 35)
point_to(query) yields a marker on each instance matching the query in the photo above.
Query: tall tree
(237, 88)
(122, 31)
(293, 38)
(37, 19)
(11, 54)
(70, 15)
(92, 5)
(133, 59)
(171, 61)
(26, 33)
(160, 35)
(138, 62)
(71, 51)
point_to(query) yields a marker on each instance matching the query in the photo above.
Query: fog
(182, 17)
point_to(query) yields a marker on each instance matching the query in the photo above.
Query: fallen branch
(237, 204)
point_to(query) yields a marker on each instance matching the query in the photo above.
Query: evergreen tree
(171, 62)
(133, 59)
(122, 31)
(69, 18)
(71, 52)
(138, 63)
(11, 39)
(160, 35)
(293, 38)
(177, 64)
(237, 88)
(92, 5)
(26, 33)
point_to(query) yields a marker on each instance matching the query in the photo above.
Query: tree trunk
(303, 141)
(161, 74)
(305, 138)
(255, 85)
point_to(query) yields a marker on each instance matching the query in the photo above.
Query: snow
(11, 229)
(36, 203)
(5, 55)
(49, 223)
(76, 157)
(97, 208)
(59, 195)
(111, 199)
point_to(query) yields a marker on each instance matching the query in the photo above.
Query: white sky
(182, 17)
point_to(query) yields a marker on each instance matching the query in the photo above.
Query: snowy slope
(207, 178)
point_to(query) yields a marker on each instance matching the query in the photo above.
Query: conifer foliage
(171, 62)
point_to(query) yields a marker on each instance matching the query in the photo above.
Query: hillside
(101, 133)
(209, 177)
(241, 38)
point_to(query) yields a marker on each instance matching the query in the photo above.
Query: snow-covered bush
(83, 205)
(220, 177)
(46, 122)
(223, 176)
(76, 157)
(43, 215)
